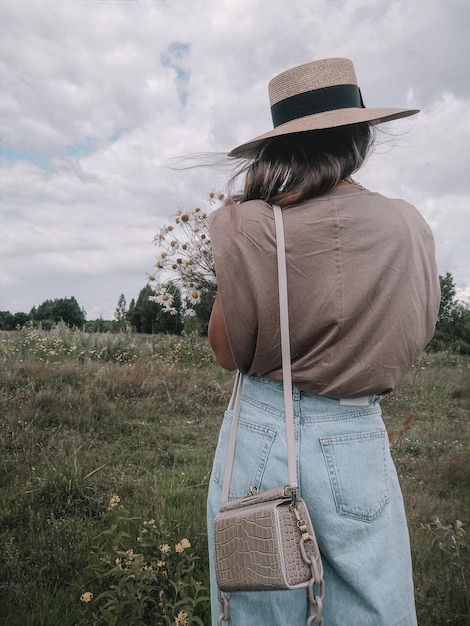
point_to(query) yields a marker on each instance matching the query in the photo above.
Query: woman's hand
(218, 339)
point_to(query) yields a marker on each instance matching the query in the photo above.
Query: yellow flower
(181, 619)
(113, 502)
(151, 522)
(86, 597)
(130, 554)
(179, 548)
(185, 543)
(165, 548)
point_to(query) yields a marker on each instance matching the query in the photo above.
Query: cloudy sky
(97, 97)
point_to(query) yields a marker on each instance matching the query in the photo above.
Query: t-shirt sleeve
(243, 245)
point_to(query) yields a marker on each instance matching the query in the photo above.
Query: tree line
(141, 316)
(47, 314)
(148, 317)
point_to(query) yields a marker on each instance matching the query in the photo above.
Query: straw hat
(314, 96)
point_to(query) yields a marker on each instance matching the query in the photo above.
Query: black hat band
(316, 101)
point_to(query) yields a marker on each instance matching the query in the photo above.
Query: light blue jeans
(349, 483)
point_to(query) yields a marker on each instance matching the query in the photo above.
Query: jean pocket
(356, 466)
(252, 449)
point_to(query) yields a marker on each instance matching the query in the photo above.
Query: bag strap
(285, 347)
(235, 400)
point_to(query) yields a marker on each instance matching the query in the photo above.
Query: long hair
(291, 168)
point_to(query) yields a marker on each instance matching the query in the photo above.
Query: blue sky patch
(174, 57)
(16, 155)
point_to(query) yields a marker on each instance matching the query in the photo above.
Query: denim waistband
(254, 386)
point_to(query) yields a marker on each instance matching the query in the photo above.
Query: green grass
(433, 462)
(84, 417)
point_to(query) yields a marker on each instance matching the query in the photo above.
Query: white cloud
(105, 92)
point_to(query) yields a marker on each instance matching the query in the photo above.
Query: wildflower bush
(187, 349)
(185, 261)
(141, 573)
(64, 343)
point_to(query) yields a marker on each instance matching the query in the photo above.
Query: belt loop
(295, 393)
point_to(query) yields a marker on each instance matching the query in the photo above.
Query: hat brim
(321, 121)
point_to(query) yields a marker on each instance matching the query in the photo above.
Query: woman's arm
(218, 339)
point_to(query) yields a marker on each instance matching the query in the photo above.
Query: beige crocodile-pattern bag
(266, 541)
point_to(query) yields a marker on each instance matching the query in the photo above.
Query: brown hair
(291, 168)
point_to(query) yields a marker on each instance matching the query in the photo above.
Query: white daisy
(165, 299)
(194, 297)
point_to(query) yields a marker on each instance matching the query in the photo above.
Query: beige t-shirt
(363, 289)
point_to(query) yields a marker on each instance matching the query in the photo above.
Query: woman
(363, 298)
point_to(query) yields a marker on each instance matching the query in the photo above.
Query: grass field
(106, 445)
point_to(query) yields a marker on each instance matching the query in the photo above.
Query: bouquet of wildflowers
(185, 261)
